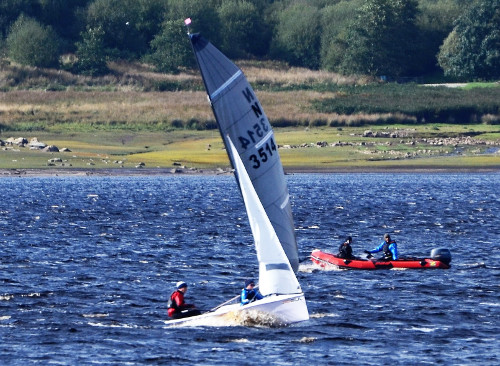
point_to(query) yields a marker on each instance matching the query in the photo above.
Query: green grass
(481, 85)
(416, 103)
(204, 149)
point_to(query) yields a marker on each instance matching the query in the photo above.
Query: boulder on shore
(35, 144)
(51, 148)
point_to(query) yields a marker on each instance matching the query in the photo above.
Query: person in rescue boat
(388, 246)
(249, 293)
(345, 249)
(177, 308)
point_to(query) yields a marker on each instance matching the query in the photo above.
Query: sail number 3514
(264, 153)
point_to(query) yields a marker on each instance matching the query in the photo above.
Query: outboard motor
(441, 254)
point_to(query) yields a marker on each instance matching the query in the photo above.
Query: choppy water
(87, 264)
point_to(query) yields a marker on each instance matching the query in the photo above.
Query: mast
(241, 118)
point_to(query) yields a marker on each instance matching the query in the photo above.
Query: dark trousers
(185, 314)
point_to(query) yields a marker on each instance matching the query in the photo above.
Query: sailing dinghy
(284, 302)
(262, 183)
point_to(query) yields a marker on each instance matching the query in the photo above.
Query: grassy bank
(318, 149)
(136, 116)
(135, 98)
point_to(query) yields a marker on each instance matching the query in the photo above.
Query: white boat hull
(274, 310)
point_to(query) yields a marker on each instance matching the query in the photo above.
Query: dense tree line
(374, 37)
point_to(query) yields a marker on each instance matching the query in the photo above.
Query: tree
(10, 10)
(91, 54)
(297, 38)
(381, 39)
(472, 49)
(119, 19)
(151, 15)
(61, 15)
(203, 14)
(335, 20)
(30, 43)
(434, 22)
(171, 49)
(243, 31)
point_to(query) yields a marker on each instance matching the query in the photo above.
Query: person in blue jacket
(388, 246)
(249, 293)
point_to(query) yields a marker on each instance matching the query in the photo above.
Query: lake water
(87, 265)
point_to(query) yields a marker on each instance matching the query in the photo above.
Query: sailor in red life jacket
(177, 308)
(389, 247)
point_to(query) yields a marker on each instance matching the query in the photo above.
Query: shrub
(243, 29)
(91, 53)
(177, 123)
(424, 104)
(119, 20)
(381, 39)
(297, 38)
(170, 48)
(30, 43)
(472, 49)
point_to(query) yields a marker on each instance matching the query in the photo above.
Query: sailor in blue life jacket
(249, 293)
(389, 247)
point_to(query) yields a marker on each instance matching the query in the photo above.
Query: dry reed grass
(295, 76)
(127, 76)
(128, 104)
(148, 108)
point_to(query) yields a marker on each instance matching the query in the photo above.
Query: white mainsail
(241, 117)
(275, 273)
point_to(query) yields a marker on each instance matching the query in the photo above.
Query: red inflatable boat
(440, 258)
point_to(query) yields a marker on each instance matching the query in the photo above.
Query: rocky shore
(391, 140)
(101, 172)
(54, 172)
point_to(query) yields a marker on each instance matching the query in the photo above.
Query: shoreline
(120, 172)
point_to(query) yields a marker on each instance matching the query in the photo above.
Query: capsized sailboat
(261, 180)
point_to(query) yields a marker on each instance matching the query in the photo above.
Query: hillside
(322, 121)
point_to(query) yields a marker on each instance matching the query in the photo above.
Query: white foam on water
(113, 325)
(233, 319)
(424, 329)
(328, 267)
(306, 340)
(323, 315)
(308, 268)
(490, 303)
(95, 315)
(239, 340)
